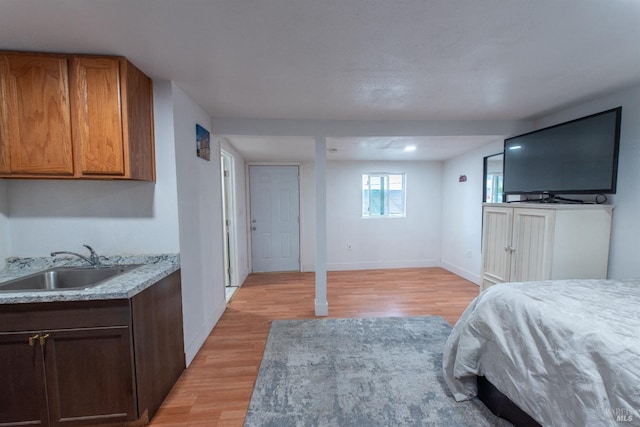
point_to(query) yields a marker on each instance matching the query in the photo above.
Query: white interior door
(275, 220)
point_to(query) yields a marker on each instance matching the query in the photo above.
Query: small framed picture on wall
(203, 144)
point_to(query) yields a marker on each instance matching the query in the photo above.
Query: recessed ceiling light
(410, 148)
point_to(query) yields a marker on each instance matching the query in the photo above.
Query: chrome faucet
(93, 259)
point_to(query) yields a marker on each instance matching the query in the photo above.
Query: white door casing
(227, 217)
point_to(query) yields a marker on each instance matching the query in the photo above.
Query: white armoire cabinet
(527, 241)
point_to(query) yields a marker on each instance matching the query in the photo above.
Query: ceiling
(295, 149)
(356, 59)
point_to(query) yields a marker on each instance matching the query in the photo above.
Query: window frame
(386, 177)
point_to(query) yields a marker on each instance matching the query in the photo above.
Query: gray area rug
(359, 372)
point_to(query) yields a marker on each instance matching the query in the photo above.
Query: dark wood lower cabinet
(67, 377)
(159, 342)
(90, 376)
(81, 363)
(22, 401)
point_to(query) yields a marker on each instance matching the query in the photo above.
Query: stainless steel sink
(65, 278)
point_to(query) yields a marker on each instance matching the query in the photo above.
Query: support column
(321, 305)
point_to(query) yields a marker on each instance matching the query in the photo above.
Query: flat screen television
(575, 157)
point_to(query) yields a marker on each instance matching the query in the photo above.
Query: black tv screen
(576, 157)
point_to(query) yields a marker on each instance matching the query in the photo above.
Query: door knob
(43, 339)
(32, 340)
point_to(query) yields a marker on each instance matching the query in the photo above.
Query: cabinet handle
(43, 339)
(32, 340)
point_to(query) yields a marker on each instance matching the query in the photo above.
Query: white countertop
(126, 285)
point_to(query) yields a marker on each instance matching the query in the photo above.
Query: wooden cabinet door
(533, 244)
(36, 133)
(97, 115)
(496, 245)
(22, 397)
(138, 125)
(90, 376)
(5, 153)
(159, 341)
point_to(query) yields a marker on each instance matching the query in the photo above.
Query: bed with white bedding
(566, 352)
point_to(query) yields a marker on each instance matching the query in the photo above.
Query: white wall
(375, 243)
(623, 258)
(413, 241)
(462, 212)
(241, 213)
(200, 219)
(112, 216)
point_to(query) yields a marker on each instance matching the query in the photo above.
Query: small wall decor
(203, 145)
(462, 178)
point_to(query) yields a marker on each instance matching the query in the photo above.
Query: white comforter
(566, 352)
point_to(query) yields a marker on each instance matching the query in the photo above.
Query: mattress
(567, 352)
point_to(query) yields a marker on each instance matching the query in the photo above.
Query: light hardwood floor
(216, 388)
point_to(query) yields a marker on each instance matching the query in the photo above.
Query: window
(383, 195)
(494, 188)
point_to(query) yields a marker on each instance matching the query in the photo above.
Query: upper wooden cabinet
(112, 116)
(36, 132)
(75, 116)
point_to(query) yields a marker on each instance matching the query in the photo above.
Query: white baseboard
(322, 308)
(241, 279)
(368, 265)
(470, 276)
(194, 346)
